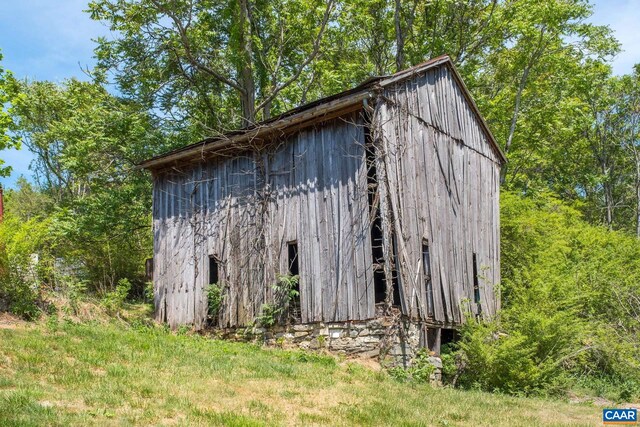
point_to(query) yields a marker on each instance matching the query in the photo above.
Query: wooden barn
(382, 197)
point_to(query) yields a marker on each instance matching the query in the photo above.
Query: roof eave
(320, 112)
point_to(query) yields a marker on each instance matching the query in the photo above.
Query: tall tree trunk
(637, 197)
(516, 108)
(535, 56)
(400, 61)
(608, 200)
(247, 99)
(608, 193)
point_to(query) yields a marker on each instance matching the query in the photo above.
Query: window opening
(426, 266)
(213, 270)
(295, 312)
(476, 285)
(395, 278)
(292, 249)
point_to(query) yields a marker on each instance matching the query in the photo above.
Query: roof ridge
(307, 112)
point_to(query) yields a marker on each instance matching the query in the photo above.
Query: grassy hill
(61, 373)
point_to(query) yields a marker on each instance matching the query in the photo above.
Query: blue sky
(52, 40)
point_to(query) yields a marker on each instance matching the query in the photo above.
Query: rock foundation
(389, 339)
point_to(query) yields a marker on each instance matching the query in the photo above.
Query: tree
(616, 109)
(5, 119)
(530, 88)
(630, 100)
(86, 143)
(214, 63)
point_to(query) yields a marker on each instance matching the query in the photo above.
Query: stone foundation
(391, 340)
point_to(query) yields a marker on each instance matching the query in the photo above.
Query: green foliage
(6, 120)
(19, 296)
(450, 363)
(183, 330)
(322, 341)
(569, 295)
(284, 292)
(270, 315)
(215, 64)
(87, 197)
(113, 301)
(26, 247)
(75, 290)
(538, 70)
(215, 297)
(148, 292)
(420, 370)
(285, 289)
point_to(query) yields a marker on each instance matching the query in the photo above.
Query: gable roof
(322, 109)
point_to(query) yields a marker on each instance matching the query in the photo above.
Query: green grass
(62, 373)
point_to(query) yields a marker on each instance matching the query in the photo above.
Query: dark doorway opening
(433, 340)
(448, 336)
(426, 266)
(437, 338)
(476, 285)
(213, 270)
(295, 312)
(292, 249)
(377, 252)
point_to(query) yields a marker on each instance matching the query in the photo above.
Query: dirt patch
(368, 363)
(10, 321)
(601, 401)
(74, 406)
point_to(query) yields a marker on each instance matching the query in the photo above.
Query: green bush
(215, 298)
(113, 301)
(25, 263)
(284, 293)
(420, 370)
(21, 298)
(74, 290)
(269, 315)
(570, 303)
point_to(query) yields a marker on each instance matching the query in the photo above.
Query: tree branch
(182, 31)
(314, 53)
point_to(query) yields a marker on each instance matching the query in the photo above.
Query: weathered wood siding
(438, 184)
(310, 187)
(443, 190)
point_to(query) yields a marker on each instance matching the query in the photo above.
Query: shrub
(113, 301)
(19, 297)
(75, 291)
(214, 297)
(570, 302)
(148, 292)
(420, 370)
(25, 263)
(284, 293)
